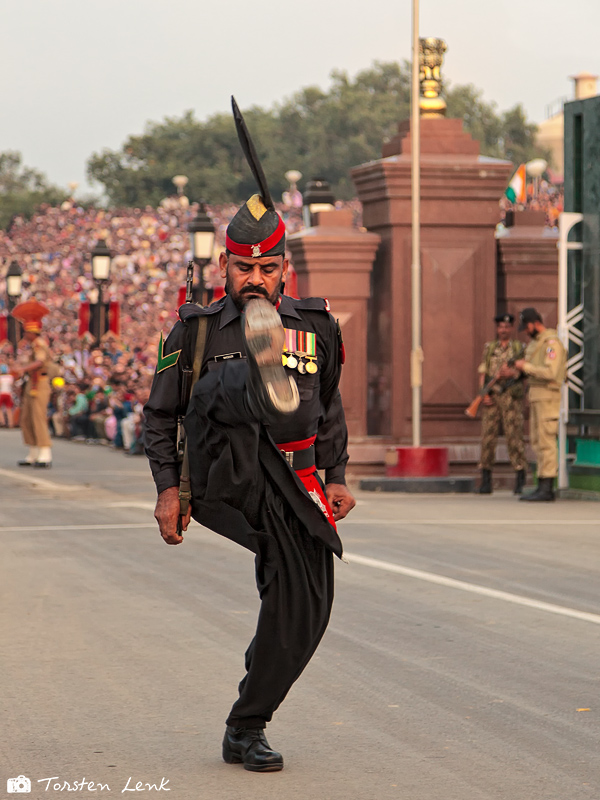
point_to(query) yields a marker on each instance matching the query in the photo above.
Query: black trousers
(294, 613)
(243, 488)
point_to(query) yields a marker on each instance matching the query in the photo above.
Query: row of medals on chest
(300, 351)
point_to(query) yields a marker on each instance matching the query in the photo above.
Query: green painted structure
(582, 195)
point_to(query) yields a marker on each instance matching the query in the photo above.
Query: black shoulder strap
(185, 489)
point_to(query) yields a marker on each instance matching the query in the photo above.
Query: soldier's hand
(508, 372)
(487, 400)
(520, 364)
(166, 514)
(340, 500)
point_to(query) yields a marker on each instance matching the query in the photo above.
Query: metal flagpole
(416, 356)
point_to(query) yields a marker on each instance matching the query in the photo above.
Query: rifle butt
(472, 410)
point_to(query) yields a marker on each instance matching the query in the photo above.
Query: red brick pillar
(334, 260)
(460, 191)
(528, 267)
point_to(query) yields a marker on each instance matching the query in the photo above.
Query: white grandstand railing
(568, 320)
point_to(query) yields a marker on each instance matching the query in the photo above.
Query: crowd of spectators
(106, 385)
(546, 197)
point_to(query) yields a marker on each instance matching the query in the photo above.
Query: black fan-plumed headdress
(257, 229)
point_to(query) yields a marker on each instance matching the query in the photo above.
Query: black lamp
(14, 283)
(202, 242)
(101, 262)
(101, 274)
(317, 197)
(202, 236)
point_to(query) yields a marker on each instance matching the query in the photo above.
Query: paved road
(461, 662)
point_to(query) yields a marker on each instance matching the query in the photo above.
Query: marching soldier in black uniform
(264, 415)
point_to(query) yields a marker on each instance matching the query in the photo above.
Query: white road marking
(441, 580)
(352, 558)
(144, 504)
(30, 476)
(140, 473)
(104, 527)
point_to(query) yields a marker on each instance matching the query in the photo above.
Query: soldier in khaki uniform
(36, 392)
(545, 367)
(503, 406)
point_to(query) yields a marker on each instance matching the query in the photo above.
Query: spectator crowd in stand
(105, 386)
(548, 198)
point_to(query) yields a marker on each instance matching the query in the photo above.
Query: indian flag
(516, 191)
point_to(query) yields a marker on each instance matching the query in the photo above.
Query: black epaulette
(191, 310)
(312, 304)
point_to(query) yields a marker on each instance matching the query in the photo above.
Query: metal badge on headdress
(30, 313)
(257, 229)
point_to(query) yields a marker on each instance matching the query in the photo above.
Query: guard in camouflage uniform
(503, 406)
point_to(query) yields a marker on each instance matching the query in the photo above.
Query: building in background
(550, 135)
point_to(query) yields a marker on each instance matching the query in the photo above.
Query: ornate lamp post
(535, 169)
(14, 284)
(180, 181)
(202, 242)
(101, 259)
(292, 176)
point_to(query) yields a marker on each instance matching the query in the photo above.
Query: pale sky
(78, 76)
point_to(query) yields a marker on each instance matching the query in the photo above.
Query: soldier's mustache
(255, 290)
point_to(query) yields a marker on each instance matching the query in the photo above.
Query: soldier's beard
(248, 292)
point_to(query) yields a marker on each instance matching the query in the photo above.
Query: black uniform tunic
(243, 488)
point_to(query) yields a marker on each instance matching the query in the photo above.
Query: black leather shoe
(270, 387)
(42, 464)
(249, 746)
(25, 463)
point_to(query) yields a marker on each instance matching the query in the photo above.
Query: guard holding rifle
(503, 404)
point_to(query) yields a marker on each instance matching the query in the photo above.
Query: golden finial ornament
(431, 56)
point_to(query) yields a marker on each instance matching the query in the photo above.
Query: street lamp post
(14, 284)
(202, 242)
(101, 258)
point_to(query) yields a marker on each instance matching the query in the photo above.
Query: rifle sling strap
(185, 491)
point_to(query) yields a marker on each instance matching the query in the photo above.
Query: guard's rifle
(472, 410)
(186, 374)
(189, 375)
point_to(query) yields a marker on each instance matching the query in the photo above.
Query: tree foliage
(23, 189)
(321, 133)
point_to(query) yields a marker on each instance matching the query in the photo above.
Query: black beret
(529, 315)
